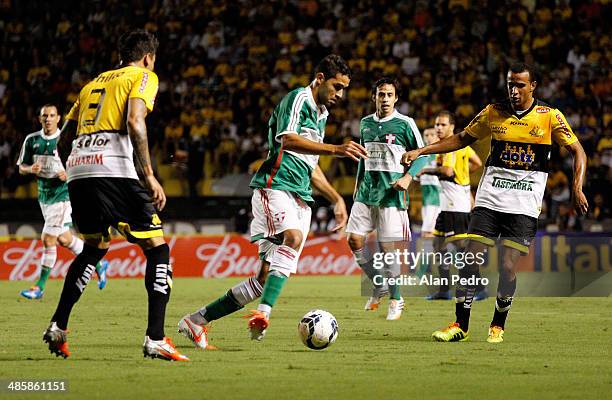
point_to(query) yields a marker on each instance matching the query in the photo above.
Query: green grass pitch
(555, 347)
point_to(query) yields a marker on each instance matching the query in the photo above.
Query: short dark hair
(519, 67)
(135, 44)
(331, 65)
(387, 80)
(448, 114)
(48, 105)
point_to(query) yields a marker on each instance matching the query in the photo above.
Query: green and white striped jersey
(386, 140)
(42, 149)
(286, 170)
(430, 184)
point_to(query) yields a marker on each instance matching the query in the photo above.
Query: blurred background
(223, 66)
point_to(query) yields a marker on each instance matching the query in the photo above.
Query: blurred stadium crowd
(224, 65)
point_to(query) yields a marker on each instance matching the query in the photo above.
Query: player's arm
(64, 145)
(451, 143)
(25, 162)
(563, 135)
(25, 169)
(320, 182)
(414, 140)
(475, 162)
(579, 200)
(137, 130)
(298, 144)
(441, 171)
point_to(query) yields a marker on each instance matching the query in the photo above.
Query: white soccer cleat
(395, 309)
(372, 304)
(258, 323)
(198, 334)
(163, 349)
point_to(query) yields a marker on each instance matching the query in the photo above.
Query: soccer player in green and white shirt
(430, 200)
(39, 156)
(381, 194)
(282, 197)
(430, 189)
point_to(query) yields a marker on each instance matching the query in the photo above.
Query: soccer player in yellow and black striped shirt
(509, 196)
(453, 170)
(109, 121)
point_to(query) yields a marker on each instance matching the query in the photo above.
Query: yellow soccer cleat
(452, 333)
(496, 335)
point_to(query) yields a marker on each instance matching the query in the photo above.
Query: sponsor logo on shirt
(499, 129)
(563, 126)
(90, 159)
(505, 183)
(537, 132)
(542, 110)
(93, 141)
(143, 83)
(521, 123)
(517, 156)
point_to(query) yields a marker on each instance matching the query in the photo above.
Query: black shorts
(98, 203)
(516, 230)
(452, 225)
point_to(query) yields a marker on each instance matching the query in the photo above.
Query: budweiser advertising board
(207, 257)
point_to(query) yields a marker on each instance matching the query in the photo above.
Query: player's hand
(62, 176)
(157, 192)
(410, 156)
(340, 215)
(36, 168)
(580, 203)
(352, 150)
(402, 183)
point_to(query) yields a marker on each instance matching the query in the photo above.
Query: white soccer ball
(318, 329)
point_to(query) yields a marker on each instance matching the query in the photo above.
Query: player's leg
(517, 231)
(291, 217)
(464, 297)
(97, 241)
(506, 287)
(193, 326)
(53, 227)
(360, 224)
(442, 229)
(47, 261)
(393, 227)
(77, 278)
(75, 244)
(429, 214)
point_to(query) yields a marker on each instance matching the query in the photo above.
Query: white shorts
(275, 211)
(58, 217)
(391, 223)
(429, 215)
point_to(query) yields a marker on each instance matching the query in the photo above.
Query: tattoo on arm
(137, 130)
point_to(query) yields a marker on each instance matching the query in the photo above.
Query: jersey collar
(519, 116)
(322, 110)
(387, 118)
(50, 137)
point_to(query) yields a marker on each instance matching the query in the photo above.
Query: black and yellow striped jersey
(102, 146)
(515, 173)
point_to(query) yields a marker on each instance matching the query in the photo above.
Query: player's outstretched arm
(64, 145)
(320, 182)
(579, 200)
(137, 130)
(294, 142)
(451, 143)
